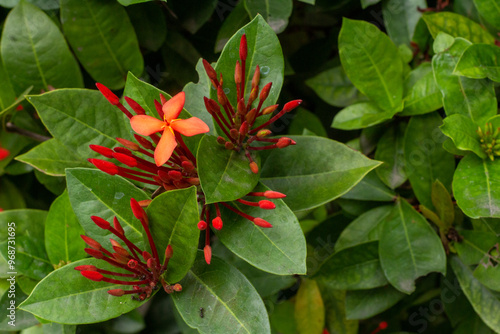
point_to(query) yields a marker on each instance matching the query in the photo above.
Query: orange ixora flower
(147, 125)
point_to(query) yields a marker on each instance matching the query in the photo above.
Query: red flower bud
(91, 242)
(202, 225)
(105, 166)
(4, 153)
(118, 226)
(135, 106)
(193, 181)
(250, 117)
(100, 222)
(188, 166)
(217, 223)
(211, 105)
(125, 159)
(177, 287)
(137, 210)
(243, 47)
(108, 94)
(208, 254)
(264, 93)
(263, 133)
(94, 253)
(228, 145)
(284, 142)
(244, 128)
(254, 167)
(237, 73)
(273, 194)
(221, 96)
(87, 267)
(262, 223)
(266, 205)
(132, 263)
(270, 109)
(92, 275)
(146, 256)
(128, 144)
(144, 142)
(107, 152)
(210, 70)
(116, 292)
(241, 107)
(256, 77)
(175, 175)
(291, 105)
(221, 140)
(169, 252)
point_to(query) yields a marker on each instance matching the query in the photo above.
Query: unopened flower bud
(128, 144)
(263, 133)
(208, 254)
(177, 287)
(273, 194)
(91, 242)
(221, 140)
(264, 93)
(108, 94)
(262, 223)
(100, 222)
(217, 223)
(105, 166)
(266, 205)
(202, 225)
(243, 47)
(270, 109)
(107, 152)
(229, 145)
(137, 210)
(291, 105)
(92, 275)
(256, 77)
(116, 292)
(254, 167)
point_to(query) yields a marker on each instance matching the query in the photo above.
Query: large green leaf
(149, 24)
(225, 175)
(424, 96)
(372, 62)
(62, 233)
(476, 187)
(172, 219)
(488, 275)
(304, 120)
(490, 225)
(230, 303)
(336, 169)
(390, 150)
(234, 21)
(473, 98)
(401, 18)
(479, 61)
(334, 301)
(280, 250)
(425, 159)
(409, 248)
(490, 11)
(22, 319)
(35, 53)
(484, 302)
(7, 94)
(334, 87)
(457, 26)
(81, 301)
(264, 50)
(89, 198)
(463, 131)
(474, 246)
(275, 12)
(309, 308)
(364, 304)
(360, 116)
(103, 39)
(371, 188)
(353, 268)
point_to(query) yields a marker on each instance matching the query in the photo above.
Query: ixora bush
(228, 194)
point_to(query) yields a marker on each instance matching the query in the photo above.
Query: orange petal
(190, 127)
(165, 147)
(146, 125)
(173, 107)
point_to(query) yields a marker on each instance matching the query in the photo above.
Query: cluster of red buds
(145, 271)
(238, 123)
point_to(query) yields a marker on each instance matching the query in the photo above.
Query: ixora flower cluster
(144, 269)
(175, 166)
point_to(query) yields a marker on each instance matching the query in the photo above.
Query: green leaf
(35, 53)
(283, 318)
(334, 87)
(364, 228)
(22, 319)
(336, 169)
(42, 4)
(488, 275)
(192, 14)
(103, 39)
(474, 246)
(409, 248)
(149, 25)
(372, 62)
(62, 233)
(390, 151)
(52, 157)
(364, 304)
(371, 188)
(234, 21)
(89, 198)
(353, 268)
(368, 3)
(172, 219)
(490, 11)
(259, 37)
(484, 302)
(10, 196)
(7, 94)
(361, 115)
(401, 18)
(276, 12)
(280, 250)
(309, 308)
(444, 205)
(479, 61)
(55, 328)
(306, 120)
(87, 300)
(425, 159)
(30, 258)
(470, 97)
(133, 2)
(457, 26)
(492, 225)
(225, 175)
(224, 293)
(334, 301)
(476, 188)
(423, 97)
(463, 131)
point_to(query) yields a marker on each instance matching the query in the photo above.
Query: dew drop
(226, 91)
(119, 195)
(264, 70)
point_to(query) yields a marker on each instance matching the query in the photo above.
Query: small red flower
(4, 153)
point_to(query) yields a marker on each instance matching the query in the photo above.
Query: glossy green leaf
(484, 302)
(488, 275)
(172, 219)
(479, 61)
(103, 39)
(423, 97)
(225, 175)
(306, 120)
(22, 319)
(10, 196)
(334, 87)
(30, 258)
(491, 224)
(334, 301)
(35, 53)
(276, 13)
(450, 147)
(7, 94)
(149, 25)
(353, 268)
(489, 10)
(89, 198)
(192, 14)
(409, 248)
(476, 188)
(364, 304)
(230, 302)
(457, 26)
(370, 188)
(463, 131)
(470, 97)
(88, 301)
(474, 245)
(371, 61)
(401, 18)
(234, 21)
(361, 115)
(390, 151)
(309, 308)
(260, 37)
(443, 204)
(283, 318)
(425, 159)
(52, 157)
(364, 228)
(62, 233)
(336, 169)
(280, 250)
(55, 328)
(42, 4)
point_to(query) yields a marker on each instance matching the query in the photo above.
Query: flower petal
(165, 147)
(146, 125)
(173, 107)
(190, 127)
